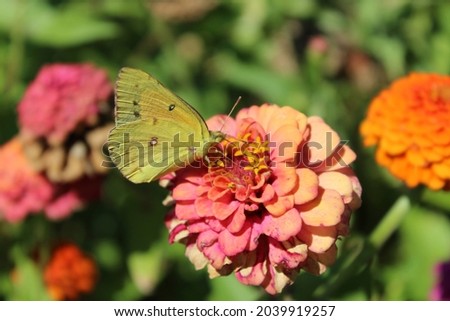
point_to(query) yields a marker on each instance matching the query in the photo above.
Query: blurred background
(325, 58)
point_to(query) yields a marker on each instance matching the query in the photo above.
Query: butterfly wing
(156, 131)
(142, 155)
(140, 96)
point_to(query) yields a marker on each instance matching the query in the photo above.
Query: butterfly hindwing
(143, 154)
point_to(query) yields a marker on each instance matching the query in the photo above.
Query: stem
(390, 222)
(439, 199)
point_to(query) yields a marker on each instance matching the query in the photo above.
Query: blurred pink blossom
(441, 290)
(61, 98)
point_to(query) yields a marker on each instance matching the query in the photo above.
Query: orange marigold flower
(272, 199)
(408, 122)
(69, 273)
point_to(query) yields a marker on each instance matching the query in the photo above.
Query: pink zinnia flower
(24, 191)
(271, 201)
(62, 98)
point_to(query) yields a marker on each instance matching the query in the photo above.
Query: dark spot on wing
(153, 141)
(136, 114)
(171, 107)
(135, 103)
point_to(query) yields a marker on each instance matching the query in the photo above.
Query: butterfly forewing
(140, 96)
(156, 131)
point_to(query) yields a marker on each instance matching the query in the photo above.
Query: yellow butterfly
(156, 131)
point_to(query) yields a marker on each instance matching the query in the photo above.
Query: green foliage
(264, 51)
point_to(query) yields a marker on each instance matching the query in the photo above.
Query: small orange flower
(409, 124)
(69, 273)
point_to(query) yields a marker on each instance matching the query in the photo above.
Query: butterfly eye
(171, 107)
(153, 141)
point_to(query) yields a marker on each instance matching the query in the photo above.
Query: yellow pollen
(260, 168)
(246, 136)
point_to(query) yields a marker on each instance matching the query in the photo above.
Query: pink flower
(21, 189)
(70, 197)
(272, 200)
(441, 290)
(62, 98)
(24, 191)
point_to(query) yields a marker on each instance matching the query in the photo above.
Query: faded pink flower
(21, 189)
(24, 191)
(271, 200)
(62, 98)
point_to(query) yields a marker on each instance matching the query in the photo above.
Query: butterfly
(156, 132)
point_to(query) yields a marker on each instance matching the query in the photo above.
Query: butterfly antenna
(231, 111)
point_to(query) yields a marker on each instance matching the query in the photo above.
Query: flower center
(241, 160)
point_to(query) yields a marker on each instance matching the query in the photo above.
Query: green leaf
(228, 288)
(425, 241)
(72, 28)
(71, 25)
(147, 268)
(391, 52)
(267, 84)
(28, 281)
(439, 199)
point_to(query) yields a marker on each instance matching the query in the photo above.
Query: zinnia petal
(325, 210)
(282, 227)
(318, 238)
(322, 142)
(286, 180)
(234, 243)
(279, 205)
(308, 186)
